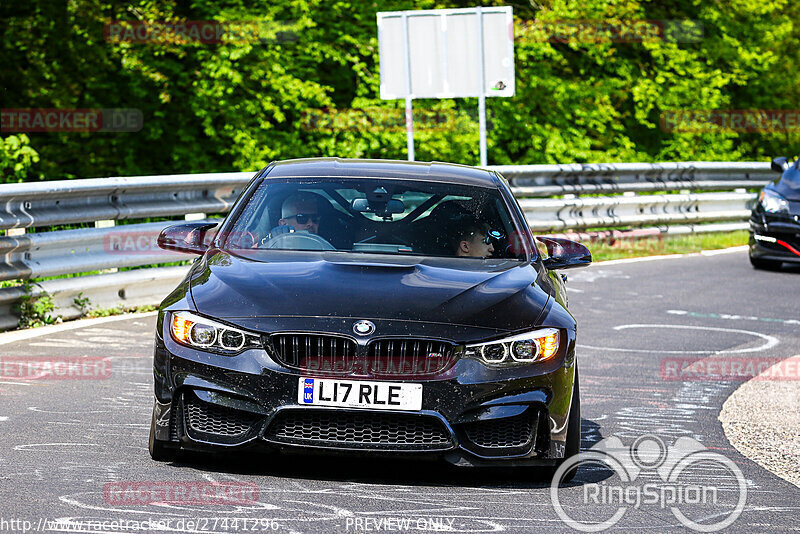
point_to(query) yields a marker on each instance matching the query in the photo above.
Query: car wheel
(573, 443)
(160, 451)
(758, 263)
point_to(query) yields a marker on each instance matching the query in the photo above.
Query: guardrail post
(106, 224)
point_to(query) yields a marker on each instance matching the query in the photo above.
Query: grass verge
(106, 312)
(656, 246)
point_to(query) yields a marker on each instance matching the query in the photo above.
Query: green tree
(287, 93)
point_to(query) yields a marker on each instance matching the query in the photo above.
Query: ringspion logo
(704, 490)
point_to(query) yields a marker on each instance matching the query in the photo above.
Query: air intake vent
(206, 418)
(175, 418)
(507, 433)
(367, 430)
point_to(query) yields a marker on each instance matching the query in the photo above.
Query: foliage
(238, 105)
(120, 310)
(35, 309)
(16, 158)
(82, 303)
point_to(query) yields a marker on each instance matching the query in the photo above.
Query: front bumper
(775, 239)
(471, 414)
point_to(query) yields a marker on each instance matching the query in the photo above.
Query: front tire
(770, 265)
(573, 443)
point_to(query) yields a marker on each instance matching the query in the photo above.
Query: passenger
(473, 239)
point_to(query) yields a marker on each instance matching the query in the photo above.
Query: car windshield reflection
(380, 216)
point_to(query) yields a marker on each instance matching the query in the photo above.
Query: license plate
(359, 394)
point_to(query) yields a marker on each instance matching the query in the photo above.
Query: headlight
(198, 332)
(530, 347)
(773, 202)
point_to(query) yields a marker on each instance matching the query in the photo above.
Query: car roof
(382, 169)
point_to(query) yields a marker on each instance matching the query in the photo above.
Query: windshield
(376, 216)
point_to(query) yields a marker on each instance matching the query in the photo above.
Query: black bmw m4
(378, 307)
(775, 219)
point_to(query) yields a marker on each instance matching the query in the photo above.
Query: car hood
(497, 294)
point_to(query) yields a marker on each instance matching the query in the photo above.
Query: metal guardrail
(613, 178)
(546, 215)
(78, 251)
(130, 288)
(43, 254)
(38, 204)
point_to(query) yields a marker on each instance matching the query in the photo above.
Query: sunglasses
(491, 235)
(303, 218)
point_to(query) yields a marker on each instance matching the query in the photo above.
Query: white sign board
(439, 50)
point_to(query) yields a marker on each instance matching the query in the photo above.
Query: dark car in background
(775, 220)
(371, 307)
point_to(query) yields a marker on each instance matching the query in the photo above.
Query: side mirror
(564, 254)
(395, 206)
(189, 237)
(780, 164)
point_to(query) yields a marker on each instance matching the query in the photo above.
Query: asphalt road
(62, 442)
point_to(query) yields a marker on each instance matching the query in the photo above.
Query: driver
(299, 212)
(473, 240)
